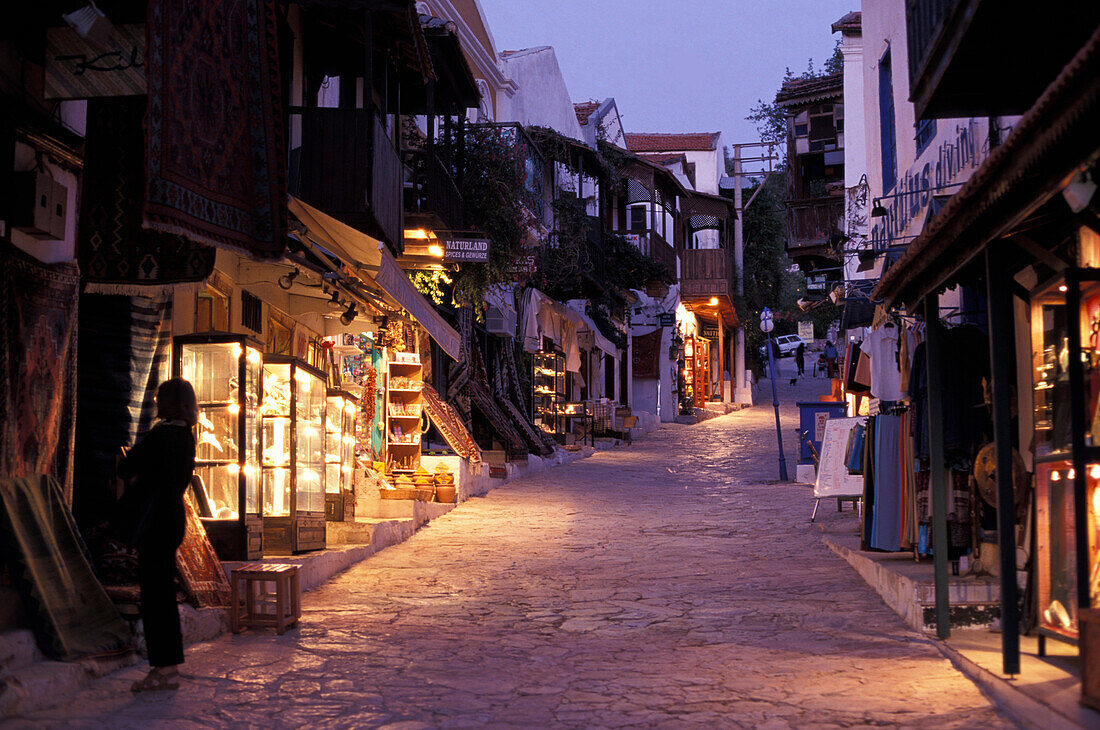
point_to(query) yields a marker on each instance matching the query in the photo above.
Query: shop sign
(710, 331)
(524, 266)
(666, 319)
(78, 69)
(459, 249)
(806, 332)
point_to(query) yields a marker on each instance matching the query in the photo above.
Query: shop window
(211, 310)
(887, 137)
(639, 218)
(315, 355)
(252, 312)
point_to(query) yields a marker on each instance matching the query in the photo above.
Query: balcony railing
(347, 167)
(597, 249)
(813, 221)
(707, 273)
(652, 244)
(431, 189)
(924, 20)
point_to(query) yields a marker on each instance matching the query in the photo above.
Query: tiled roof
(584, 110)
(797, 91)
(851, 21)
(672, 142)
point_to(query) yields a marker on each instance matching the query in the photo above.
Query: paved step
(17, 650)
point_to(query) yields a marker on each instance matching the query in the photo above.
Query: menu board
(833, 479)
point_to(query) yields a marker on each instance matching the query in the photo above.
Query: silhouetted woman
(161, 464)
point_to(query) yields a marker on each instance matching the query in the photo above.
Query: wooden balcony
(707, 273)
(652, 244)
(812, 223)
(952, 71)
(430, 189)
(348, 168)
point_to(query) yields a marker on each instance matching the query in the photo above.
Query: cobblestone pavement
(670, 584)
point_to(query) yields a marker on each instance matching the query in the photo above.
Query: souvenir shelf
(697, 369)
(1065, 322)
(548, 392)
(293, 457)
(403, 408)
(227, 438)
(340, 416)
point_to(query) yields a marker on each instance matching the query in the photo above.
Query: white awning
(370, 258)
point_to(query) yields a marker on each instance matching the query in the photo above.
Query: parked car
(787, 345)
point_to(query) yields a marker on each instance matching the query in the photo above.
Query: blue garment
(886, 520)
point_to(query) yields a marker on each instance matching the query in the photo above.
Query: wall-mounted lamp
(334, 302)
(878, 211)
(286, 281)
(713, 301)
(348, 315)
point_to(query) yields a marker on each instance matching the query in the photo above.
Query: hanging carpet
(215, 157)
(506, 389)
(38, 336)
(117, 380)
(645, 354)
(70, 613)
(117, 255)
(447, 420)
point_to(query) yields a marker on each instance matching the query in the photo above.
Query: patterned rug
(447, 420)
(38, 336)
(117, 255)
(70, 613)
(214, 131)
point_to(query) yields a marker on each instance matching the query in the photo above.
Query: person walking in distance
(160, 466)
(830, 357)
(800, 358)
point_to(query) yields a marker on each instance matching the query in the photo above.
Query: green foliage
(564, 259)
(492, 191)
(435, 285)
(770, 118)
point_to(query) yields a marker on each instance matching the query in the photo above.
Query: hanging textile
(116, 384)
(117, 255)
(646, 354)
(215, 151)
(200, 571)
(881, 347)
(446, 419)
(38, 351)
(459, 372)
(509, 396)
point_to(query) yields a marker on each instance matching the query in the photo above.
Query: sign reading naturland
(465, 248)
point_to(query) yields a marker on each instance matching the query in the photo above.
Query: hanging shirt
(882, 347)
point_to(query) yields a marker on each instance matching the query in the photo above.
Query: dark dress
(162, 463)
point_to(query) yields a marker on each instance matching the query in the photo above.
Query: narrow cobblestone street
(669, 584)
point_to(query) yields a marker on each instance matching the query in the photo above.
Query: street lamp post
(767, 324)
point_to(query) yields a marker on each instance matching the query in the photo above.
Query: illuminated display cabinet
(224, 370)
(340, 418)
(293, 457)
(1065, 325)
(548, 392)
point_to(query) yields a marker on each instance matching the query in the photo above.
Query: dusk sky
(674, 66)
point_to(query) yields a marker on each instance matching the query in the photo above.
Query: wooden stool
(248, 610)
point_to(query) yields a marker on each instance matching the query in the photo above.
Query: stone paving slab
(669, 584)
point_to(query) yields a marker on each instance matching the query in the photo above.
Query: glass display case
(293, 456)
(224, 370)
(548, 392)
(1065, 324)
(341, 412)
(404, 385)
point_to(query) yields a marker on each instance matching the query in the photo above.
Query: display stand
(227, 438)
(697, 369)
(1065, 321)
(293, 463)
(548, 393)
(403, 413)
(340, 414)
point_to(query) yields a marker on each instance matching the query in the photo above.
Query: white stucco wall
(857, 201)
(709, 168)
(541, 98)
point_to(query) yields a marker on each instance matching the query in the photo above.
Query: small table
(249, 596)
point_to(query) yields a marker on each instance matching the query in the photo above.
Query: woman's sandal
(155, 681)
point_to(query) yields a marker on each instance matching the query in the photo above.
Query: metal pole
(739, 391)
(1001, 346)
(775, 405)
(933, 354)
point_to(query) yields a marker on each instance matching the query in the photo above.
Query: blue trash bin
(812, 425)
